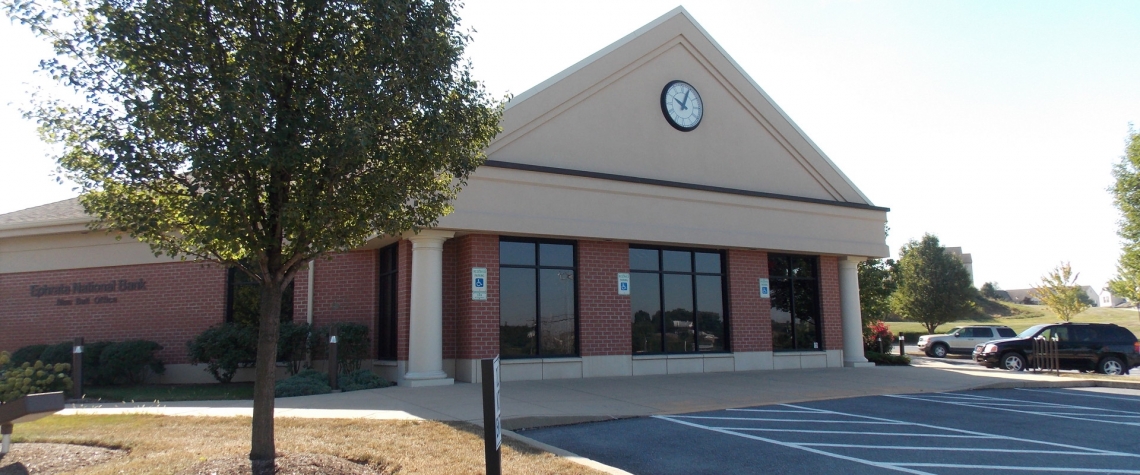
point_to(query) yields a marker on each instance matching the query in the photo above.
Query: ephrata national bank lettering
(80, 288)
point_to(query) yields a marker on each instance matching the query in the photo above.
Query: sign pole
(492, 427)
(77, 368)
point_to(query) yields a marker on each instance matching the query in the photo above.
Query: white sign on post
(765, 289)
(623, 284)
(478, 283)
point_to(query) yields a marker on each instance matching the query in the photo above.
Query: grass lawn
(168, 444)
(170, 392)
(1021, 317)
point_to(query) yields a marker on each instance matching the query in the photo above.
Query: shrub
(60, 353)
(352, 345)
(293, 344)
(305, 383)
(874, 333)
(128, 362)
(91, 369)
(881, 359)
(362, 379)
(224, 349)
(28, 378)
(27, 354)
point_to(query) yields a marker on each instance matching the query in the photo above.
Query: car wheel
(1013, 362)
(939, 350)
(1110, 365)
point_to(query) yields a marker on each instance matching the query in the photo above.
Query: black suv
(1103, 347)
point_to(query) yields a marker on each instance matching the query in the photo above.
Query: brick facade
(477, 322)
(178, 301)
(404, 298)
(344, 286)
(750, 317)
(604, 317)
(829, 303)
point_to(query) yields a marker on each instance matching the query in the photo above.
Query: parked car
(962, 340)
(1101, 347)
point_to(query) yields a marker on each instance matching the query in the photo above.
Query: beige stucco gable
(603, 115)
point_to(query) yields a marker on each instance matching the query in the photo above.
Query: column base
(420, 383)
(858, 364)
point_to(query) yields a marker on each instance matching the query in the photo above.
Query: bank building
(649, 210)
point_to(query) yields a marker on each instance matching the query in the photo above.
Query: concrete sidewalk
(540, 403)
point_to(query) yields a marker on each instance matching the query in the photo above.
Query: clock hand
(685, 100)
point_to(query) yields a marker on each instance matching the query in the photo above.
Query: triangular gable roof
(602, 116)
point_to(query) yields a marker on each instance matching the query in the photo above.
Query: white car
(962, 340)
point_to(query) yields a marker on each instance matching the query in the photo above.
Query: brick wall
(404, 298)
(604, 317)
(452, 284)
(178, 301)
(344, 288)
(829, 303)
(750, 318)
(476, 322)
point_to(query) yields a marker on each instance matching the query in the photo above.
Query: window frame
(818, 300)
(538, 267)
(393, 274)
(661, 272)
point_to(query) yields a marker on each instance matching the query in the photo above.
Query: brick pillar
(477, 321)
(604, 317)
(750, 324)
(829, 303)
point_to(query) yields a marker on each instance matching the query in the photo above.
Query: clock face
(682, 105)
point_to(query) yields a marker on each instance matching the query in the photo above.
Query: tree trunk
(263, 450)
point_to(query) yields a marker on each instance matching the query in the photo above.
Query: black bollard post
(880, 340)
(902, 345)
(77, 368)
(332, 356)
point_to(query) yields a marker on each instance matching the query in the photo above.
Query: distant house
(965, 258)
(1107, 299)
(1022, 296)
(1093, 295)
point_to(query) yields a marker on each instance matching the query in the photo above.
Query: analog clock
(682, 105)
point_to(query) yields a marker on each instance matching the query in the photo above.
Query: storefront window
(537, 299)
(677, 300)
(243, 299)
(795, 302)
(388, 292)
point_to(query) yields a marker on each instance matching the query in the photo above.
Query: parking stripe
(1022, 469)
(799, 421)
(847, 432)
(960, 449)
(1038, 413)
(797, 446)
(1080, 393)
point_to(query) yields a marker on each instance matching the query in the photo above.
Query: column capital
(428, 237)
(851, 260)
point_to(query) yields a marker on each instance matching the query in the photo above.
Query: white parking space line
(1094, 417)
(985, 400)
(1081, 393)
(1082, 414)
(797, 446)
(907, 467)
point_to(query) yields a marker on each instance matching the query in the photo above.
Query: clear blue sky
(993, 125)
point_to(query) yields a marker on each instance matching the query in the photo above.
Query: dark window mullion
(696, 311)
(537, 301)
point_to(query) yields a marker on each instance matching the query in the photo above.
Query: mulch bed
(54, 458)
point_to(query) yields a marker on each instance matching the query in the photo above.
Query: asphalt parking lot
(999, 431)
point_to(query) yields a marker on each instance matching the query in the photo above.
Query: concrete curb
(566, 454)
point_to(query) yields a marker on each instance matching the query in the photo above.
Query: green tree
(876, 284)
(933, 286)
(1126, 197)
(1059, 291)
(989, 290)
(261, 134)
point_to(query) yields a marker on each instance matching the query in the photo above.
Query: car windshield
(1031, 331)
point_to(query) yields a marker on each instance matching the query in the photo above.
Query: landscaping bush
(60, 353)
(91, 370)
(293, 344)
(27, 354)
(352, 345)
(305, 383)
(881, 359)
(362, 379)
(872, 335)
(224, 349)
(29, 378)
(127, 362)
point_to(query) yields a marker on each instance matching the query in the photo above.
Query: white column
(425, 334)
(852, 316)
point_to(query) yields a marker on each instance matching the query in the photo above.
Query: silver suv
(962, 340)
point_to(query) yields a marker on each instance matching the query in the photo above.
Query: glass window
(795, 303)
(388, 291)
(677, 310)
(243, 299)
(537, 299)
